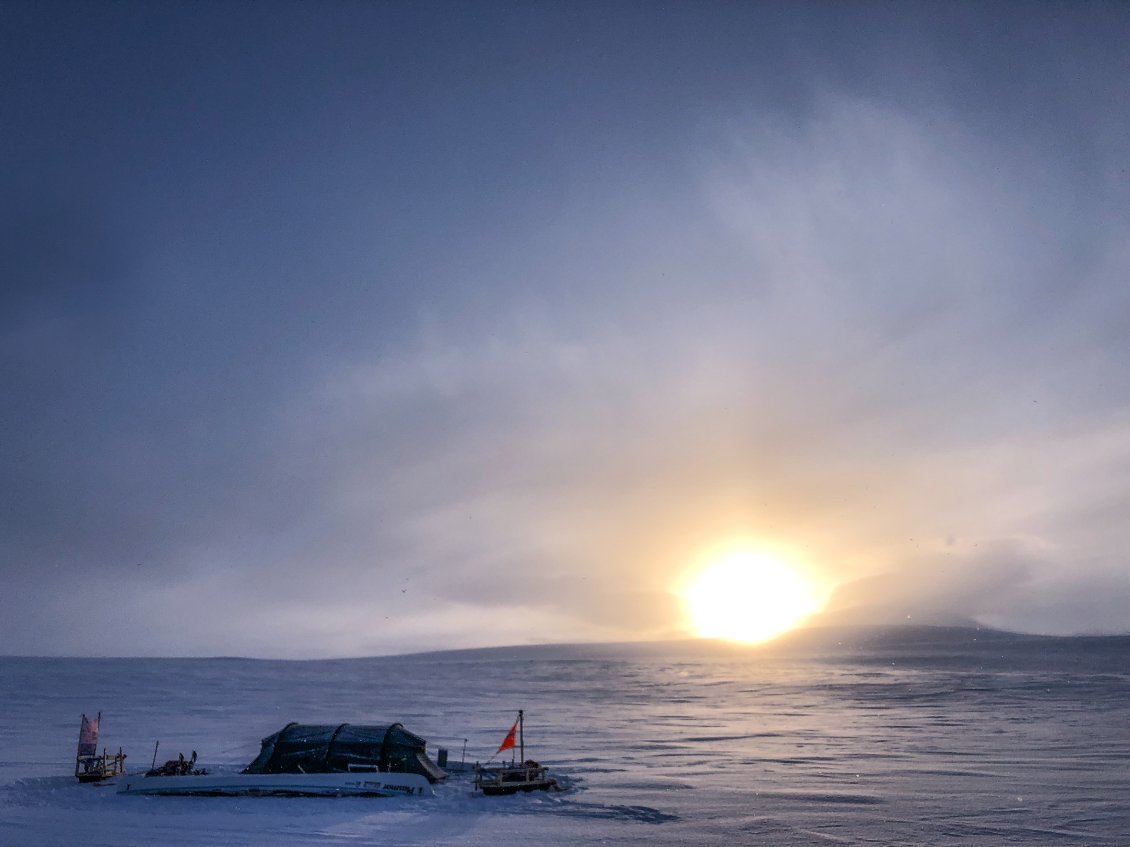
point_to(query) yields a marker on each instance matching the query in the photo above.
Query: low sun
(746, 595)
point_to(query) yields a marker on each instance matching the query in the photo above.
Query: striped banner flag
(88, 736)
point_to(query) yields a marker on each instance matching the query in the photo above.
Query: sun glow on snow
(746, 595)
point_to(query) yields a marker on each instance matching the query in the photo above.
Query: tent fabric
(334, 748)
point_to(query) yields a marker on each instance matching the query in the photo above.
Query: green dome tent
(317, 748)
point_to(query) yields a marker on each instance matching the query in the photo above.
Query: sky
(352, 328)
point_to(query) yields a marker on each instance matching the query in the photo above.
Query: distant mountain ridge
(817, 640)
(814, 640)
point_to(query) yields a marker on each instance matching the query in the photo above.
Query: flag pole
(507, 744)
(522, 734)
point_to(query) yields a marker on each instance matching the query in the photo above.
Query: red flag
(88, 736)
(508, 741)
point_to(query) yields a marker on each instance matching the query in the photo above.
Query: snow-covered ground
(928, 738)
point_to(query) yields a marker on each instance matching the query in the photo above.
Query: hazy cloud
(497, 358)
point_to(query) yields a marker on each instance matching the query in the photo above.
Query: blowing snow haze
(344, 329)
